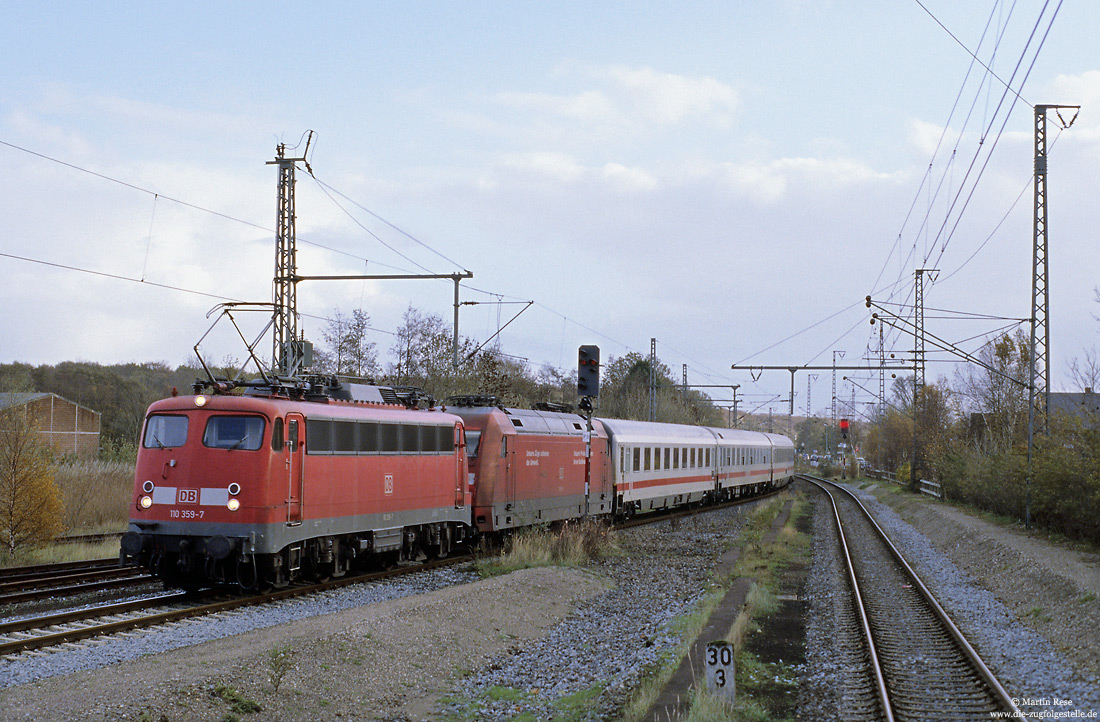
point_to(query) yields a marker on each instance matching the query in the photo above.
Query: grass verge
(757, 558)
(570, 544)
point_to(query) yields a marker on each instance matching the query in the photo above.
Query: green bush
(1065, 482)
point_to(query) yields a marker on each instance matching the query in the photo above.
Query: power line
(118, 277)
(962, 45)
(132, 186)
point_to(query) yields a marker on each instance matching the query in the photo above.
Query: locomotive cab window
(234, 432)
(163, 431)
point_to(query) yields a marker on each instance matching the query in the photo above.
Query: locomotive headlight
(233, 505)
(145, 502)
(234, 489)
(200, 400)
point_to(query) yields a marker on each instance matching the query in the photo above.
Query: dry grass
(572, 544)
(96, 499)
(59, 553)
(96, 495)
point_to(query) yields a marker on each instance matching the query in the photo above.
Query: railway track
(53, 630)
(919, 665)
(25, 584)
(38, 571)
(59, 628)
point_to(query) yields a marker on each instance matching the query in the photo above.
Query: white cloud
(556, 166)
(667, 99)
(589, 106)
(628, 179)
(607, 106)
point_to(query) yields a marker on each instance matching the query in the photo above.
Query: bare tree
(996, 392)
(424, 351)
(348, 352)
(1086, 372)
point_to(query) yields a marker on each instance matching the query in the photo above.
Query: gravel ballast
(542, 642)
(535, 641)
(990, 578)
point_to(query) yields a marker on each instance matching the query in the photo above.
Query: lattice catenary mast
(287, 349)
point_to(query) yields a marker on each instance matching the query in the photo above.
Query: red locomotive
(259, 489)
(529, 467)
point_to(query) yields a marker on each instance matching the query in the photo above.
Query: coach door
(295, 453)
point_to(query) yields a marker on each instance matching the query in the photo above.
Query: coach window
(389, 438)
(319, 432)
(637, 458)
(657, 459)
(692, 458)
(368, 437)
(648, 455)
(437, 439)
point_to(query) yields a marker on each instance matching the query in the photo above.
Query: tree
(423, 350)
(30, 502)
(624, 394)
(995, 392)
(349, 352)
(1086, 372)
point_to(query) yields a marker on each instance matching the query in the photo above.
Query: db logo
(188, 496)
(387, 483)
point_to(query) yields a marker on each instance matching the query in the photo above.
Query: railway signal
(844, 428)
(588, 371)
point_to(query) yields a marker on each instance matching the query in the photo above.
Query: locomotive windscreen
(163, 431)
(234, 432)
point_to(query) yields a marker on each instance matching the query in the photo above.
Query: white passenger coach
(661, 465)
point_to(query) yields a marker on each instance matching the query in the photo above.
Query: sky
(731, 179)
